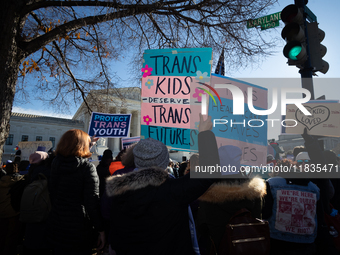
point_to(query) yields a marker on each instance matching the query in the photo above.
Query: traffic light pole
(306, 71)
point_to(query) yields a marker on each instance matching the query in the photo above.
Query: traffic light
(293, 33)
(316, 49)
(297, 41)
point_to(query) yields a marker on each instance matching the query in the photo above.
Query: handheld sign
(27, 148)
(109, 125)
(129, 141)
(324, 119)
(168, 76)
(247, 131)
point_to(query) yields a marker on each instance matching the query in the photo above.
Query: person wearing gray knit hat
(150, 152)
(147, 206)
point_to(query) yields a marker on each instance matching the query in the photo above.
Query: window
(38, 138)
(9, 140)
(24, 138)
(52, 139)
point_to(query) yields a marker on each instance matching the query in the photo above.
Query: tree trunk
(10, 59)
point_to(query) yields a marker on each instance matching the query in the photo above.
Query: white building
(28, 127)
(124, 100)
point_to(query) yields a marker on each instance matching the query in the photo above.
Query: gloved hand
(308, 138)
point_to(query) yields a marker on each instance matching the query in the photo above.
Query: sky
(274, 66)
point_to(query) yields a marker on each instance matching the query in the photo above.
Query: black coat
(75, 217)
(103, 172)
(149, 210)
(325, 185)
(151, 217)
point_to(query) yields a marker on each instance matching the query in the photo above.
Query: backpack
(35, 202)
(245, 234)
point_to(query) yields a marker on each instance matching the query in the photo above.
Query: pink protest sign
(169, 77)
(295, 211)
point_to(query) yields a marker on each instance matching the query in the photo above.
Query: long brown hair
(74, 142)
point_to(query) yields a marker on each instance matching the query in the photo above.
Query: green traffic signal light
(294, 34)
(294, 52)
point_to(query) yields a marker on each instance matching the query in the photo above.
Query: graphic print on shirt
(295, 211)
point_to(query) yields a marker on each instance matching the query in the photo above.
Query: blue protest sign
(110, 125)
(246, 132)
(129, 141)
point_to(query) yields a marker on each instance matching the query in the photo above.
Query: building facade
(28, 127)
(124, 101)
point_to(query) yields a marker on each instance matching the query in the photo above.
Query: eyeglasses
(306, 161)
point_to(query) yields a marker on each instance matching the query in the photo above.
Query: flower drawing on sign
(198, 94)
(202, 77)
(147, 119)
(149, 83)
(146, 71)
(197, 124)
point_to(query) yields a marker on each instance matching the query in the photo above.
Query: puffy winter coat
(75, 217)
(149, 210)
(221, 201)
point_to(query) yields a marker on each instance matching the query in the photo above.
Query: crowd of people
(141, 202)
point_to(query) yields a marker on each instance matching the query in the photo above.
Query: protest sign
(324, 119)
(127, 142)
(173, 85)
(27, 148)
(109, 125)
(169, 76)
(248, 131)
(295, 212)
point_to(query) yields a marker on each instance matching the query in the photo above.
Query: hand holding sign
(205, 124)
(94, 140)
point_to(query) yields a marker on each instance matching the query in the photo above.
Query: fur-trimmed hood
(119, 184)
(232, 191)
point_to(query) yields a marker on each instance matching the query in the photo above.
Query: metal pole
(307, 70)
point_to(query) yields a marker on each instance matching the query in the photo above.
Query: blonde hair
(74, 142)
